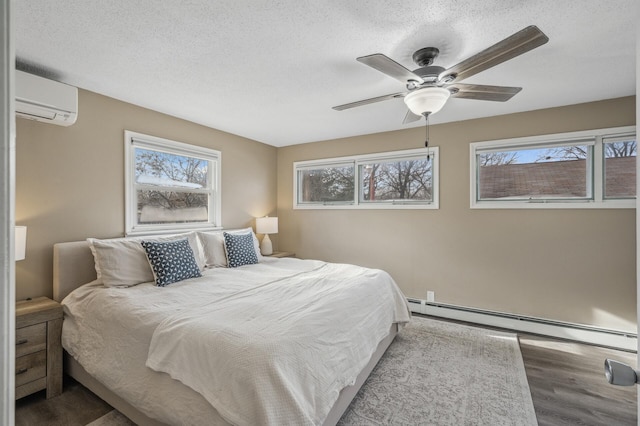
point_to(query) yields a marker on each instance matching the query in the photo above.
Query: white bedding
(109, 331)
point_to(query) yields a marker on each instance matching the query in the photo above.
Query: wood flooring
(568, 386)
(566, 379)
(76, 406)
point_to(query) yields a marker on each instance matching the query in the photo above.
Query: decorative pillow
(192, 237)
(171, 261)
(240, 250)
(213, 247)
(256, 243)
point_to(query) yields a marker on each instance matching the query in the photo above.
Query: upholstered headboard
(73, 266)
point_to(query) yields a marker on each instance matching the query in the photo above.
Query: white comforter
(213, 335)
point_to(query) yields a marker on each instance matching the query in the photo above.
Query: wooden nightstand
(282, 254)
(38, 347)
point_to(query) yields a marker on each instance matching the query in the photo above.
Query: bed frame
(73, 266)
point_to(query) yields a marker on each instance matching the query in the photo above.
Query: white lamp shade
(20, 242)
(267, 225)
(428, 100)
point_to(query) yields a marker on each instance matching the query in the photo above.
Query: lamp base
(266, 248)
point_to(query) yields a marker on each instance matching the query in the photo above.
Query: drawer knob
(21, 342)
(22, 371)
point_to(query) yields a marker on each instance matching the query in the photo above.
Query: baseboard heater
(564, 330)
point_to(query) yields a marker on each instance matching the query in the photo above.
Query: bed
(142, 348)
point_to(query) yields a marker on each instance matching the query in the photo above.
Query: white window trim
(593, 137)
(173, 147)
(356, 161)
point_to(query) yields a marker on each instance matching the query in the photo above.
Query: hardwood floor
(568, 386)
(76, 406)
(566, 379)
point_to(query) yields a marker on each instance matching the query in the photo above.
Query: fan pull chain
(426, 142)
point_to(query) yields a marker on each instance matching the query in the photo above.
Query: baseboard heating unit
(563, 330)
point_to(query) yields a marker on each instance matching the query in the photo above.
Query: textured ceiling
(271, 70)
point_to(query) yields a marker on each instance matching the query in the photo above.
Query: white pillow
(122, 262)
(213, 249)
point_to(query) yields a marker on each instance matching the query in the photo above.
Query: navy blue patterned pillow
(171, 261)
(240, 250)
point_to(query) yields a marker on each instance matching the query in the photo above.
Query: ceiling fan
(429, 86)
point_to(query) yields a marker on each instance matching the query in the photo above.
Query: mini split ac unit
(45, 100)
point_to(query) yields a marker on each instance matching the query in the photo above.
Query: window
(619, 167)
(400, 179)
(556, 172)
(170, 186)
(327, 184)
(407, 181)
(572, 170)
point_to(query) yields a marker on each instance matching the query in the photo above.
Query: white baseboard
(563, 330)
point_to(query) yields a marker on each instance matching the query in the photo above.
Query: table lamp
(266, 225)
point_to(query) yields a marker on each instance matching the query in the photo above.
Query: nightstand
(38, 347)
(282, 254)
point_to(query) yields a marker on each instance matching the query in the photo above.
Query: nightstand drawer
(38, 348)
(31, 367)
(31, 339)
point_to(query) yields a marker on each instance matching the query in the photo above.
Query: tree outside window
(165, 187)
(327, 185)
(398, 180)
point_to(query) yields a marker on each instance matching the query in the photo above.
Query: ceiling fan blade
(512, 46)
(410, 117)
(482, 92)
(390, 67)
(369, 101)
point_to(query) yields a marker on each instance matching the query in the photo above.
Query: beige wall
(568, 265)
(70, 180)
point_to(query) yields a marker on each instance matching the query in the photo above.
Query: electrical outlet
(431, 296)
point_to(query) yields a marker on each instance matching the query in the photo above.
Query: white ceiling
(270, 70)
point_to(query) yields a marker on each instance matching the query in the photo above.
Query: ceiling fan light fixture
(427, 100)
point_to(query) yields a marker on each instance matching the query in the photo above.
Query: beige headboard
(73, 266)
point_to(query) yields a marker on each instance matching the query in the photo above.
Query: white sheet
(279, 353)
(109, 330)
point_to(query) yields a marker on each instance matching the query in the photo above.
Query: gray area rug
(438, 373)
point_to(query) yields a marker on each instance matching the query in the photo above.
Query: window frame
(595, 163)
(363, 159)
(133, 140)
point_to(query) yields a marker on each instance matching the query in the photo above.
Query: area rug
(438, 373)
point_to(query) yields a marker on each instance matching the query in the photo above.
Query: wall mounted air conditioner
(45, 100)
